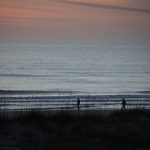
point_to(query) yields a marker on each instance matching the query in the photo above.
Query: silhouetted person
(78, 104)
(123, 104)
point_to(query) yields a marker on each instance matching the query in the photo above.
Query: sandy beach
(87, 130)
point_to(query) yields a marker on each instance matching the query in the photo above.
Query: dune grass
(128, 129)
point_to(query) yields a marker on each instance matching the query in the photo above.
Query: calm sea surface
(97, 68)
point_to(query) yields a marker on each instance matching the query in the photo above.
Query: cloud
(103, 6)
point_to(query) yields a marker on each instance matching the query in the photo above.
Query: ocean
(74, 69)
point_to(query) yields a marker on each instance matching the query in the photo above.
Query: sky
(74, 19)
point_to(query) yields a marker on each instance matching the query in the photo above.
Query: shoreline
(69, 102)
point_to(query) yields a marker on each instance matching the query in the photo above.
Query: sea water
(99, 68)
(74, 69)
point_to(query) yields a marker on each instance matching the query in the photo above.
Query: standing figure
(78, 104)
(123, 104)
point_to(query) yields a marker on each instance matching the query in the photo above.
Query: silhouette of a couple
(123, 104)
(78, 103)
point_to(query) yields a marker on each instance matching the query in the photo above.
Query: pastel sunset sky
(74, 19)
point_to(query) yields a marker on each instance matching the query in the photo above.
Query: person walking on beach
(123, 104)
(78, 104)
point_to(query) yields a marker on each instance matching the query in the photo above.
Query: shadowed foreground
(63, 130)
